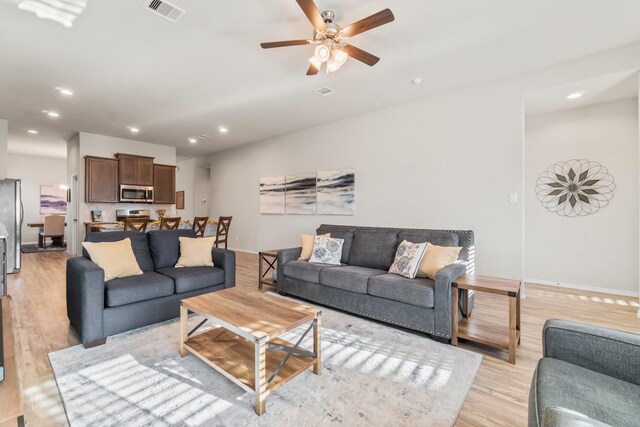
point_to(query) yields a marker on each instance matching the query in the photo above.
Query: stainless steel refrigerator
(11, 215)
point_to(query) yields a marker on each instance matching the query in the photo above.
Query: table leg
(317, 344)
(184, 329)
(260, 273)
(512, 329)
(518, 318)
(260, 375)
(454, 319)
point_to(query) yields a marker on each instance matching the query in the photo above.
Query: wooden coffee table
(244, 345)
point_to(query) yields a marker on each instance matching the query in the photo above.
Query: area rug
(372, 375)
(32, 248)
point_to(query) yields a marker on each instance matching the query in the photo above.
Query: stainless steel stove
(122, 214)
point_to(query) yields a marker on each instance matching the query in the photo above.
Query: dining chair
(222, 232)
(136, 224)
(53, 227)
(170, 223)
(200, 225)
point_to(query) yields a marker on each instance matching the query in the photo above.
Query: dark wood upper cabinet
(164, 184)
(135, 170)
(145, 171)
(101, 180)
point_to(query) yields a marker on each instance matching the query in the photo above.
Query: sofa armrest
(444, 278)
(85, 298)
(560, 417)
(284, 256)
(226, 260)
(610, 352)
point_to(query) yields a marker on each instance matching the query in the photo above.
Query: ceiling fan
(330, 39)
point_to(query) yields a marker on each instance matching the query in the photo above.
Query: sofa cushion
(305, 270)
(373, 248)
(435, 237)
(417, 291)
(193, 278)
(350, 278)
(603, 398)
(139, 244)
(165, 247)
(339, 233)
(126, 290)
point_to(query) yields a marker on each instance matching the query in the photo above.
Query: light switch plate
(513, 197)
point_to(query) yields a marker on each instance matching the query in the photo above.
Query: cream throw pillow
(115, 258)
(195, 252)
(437, 258)
(307, 245)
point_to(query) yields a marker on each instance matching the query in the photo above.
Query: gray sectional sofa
(589, 376)
(97, 309)
(363, 286)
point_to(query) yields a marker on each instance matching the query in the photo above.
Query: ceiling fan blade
(270, 45)
(360, 55)
(366, 24)
(312, 71)
(311, 10)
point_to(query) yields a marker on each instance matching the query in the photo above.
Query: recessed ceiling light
(575, 95)
(33, 131)
(52, 114)
(64, 91)
(192, 140)
(133, 129)
(416, 81)
(222, 129)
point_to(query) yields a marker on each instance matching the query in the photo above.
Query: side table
(488, 334)
(269, 257)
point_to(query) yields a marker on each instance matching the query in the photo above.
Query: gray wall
(447, 161)
(4, 129)
(598, 251)
(35, 171)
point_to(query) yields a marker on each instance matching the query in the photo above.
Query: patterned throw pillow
(327, 250)
(408, 257)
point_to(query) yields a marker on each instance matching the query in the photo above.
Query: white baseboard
(582, 287)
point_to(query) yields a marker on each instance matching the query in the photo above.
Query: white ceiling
(175, 80)
(608, 88)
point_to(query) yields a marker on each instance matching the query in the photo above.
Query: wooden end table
(271, 258)
(244, 345)
(488, 334)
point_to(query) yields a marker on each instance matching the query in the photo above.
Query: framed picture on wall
(180, 199)
(53, 200)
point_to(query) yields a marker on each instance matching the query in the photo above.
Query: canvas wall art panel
(272, 195)
(301, 194)
(53, 200)
(336, 192)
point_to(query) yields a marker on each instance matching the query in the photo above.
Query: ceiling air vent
(164, 9)
(326, 91)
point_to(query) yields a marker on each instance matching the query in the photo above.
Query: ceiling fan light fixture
(322, 53)
(339, 56)
(315, 62)
(332, 66)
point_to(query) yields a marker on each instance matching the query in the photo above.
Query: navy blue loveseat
(97, 309)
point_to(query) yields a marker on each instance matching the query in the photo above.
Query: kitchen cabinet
(135, 170)
(101, 180)
(164, 184)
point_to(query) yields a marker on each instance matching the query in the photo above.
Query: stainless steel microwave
(136, 194)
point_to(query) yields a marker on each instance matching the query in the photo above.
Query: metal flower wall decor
(575, 187)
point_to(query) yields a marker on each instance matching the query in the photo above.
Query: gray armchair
(589, 376)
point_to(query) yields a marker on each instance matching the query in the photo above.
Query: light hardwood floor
(499, 395)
